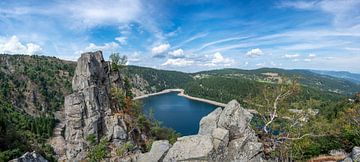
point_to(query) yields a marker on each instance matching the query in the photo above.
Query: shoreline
(181, 93)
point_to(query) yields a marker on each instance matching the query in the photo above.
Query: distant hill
(340, 74)
(305, 77)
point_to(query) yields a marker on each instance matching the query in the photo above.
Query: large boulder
(191, 148)
(158, 149)
(235, 119)
(224, 135)
(209, 122)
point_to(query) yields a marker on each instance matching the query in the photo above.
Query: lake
(179, 113)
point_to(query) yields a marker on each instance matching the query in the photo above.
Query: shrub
(99, 151)
(128, 146)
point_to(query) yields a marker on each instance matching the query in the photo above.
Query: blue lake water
(177, 112)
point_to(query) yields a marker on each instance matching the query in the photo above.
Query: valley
(34, 88)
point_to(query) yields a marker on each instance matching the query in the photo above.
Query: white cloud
(260, 64)
(135, 57)
(219, 42)
(121, 40)
(344, 11)
(217, 59)
(160, 48)
(14, 46)
(107, 47)
(179, 53)
(192, 38)
(178, 62)
(254, 52)
(288, 56)
(93, 12)
(352, 49)
(298, 4)
(310, 58)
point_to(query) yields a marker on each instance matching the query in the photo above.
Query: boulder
(158, 149)
(30, 157)
(209, 122)
(191, 148)
(235, 119)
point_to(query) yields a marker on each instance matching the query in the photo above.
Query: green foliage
(159, 79)
(99, 151)
(149, 144)
(128, 146)
(161, 133)
(91, 138)
(20, 132)
(117, 61)
(117, 98)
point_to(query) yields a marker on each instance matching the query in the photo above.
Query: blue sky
(189, 35)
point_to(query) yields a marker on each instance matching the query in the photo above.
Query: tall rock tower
(87, 109)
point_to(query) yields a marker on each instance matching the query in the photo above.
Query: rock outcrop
(224, 135)
(87, 109)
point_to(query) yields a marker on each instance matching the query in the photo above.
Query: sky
(189, 35)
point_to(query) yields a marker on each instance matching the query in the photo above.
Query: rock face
(355, 154)
(224, 135)
(30, 157)
(87, 110)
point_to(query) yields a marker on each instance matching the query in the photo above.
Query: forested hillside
(305, 77)
(32, 88)
(155, 80)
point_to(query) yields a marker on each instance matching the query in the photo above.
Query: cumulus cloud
(217, 59)
(254, 52)
(178, 62)
(179, 53)
(107, 47)
(14, 46)
(121, 40)
(288, 56)
(159, 50)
